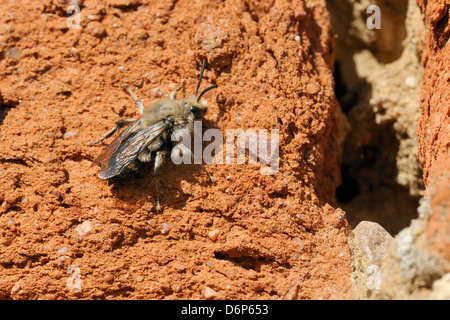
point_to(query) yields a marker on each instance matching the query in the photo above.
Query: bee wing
(127, 147)
(110, 149)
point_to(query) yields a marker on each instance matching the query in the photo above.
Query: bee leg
(209, 175)
(174, 92)
(204, 169)
(159, 160)
(119, 124)
(140, 104)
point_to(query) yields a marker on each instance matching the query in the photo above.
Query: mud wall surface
(357, 208)
(66, 234)
(434, 123)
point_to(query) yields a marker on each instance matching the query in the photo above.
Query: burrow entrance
(369, 189)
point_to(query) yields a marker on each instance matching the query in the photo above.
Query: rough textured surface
(66, 234)
(412, 268)
(434, 123)
(417, 265)
(378, 74)
(438, 230)
(369, 243)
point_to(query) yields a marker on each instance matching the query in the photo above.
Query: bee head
(195, 103)
(197, 106)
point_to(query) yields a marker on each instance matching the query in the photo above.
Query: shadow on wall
(369, 190)
(5, 107)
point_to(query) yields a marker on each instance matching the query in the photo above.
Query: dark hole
(339, 86)
(349, 188)
(369, 155)
(347, 98)
(5, 108)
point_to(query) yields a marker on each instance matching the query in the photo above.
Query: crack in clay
(248, 262)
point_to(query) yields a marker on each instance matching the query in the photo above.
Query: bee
(148, 138)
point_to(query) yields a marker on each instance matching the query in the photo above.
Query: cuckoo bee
(148, 138)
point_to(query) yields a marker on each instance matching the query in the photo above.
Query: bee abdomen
(145, 156)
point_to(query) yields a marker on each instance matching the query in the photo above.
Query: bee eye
(194, 109)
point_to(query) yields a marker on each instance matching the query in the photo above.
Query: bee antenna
(206, 90)
(201, 76)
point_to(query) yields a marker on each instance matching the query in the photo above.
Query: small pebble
(97, 29)
(209, 293)
(13, 53)
(297, 38)
(61, 260)
(140, 24)
(157, 92)
(172, 86)
(214, 234)
(75, 53)
(165, 228)
(108, 277)
(84, 229)
(139, 84)
(299, 241)
(410, 82)
(17, 287)
(5, 205)
(221, 99)
(300, 13)
(63, 251)
(69, 134)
